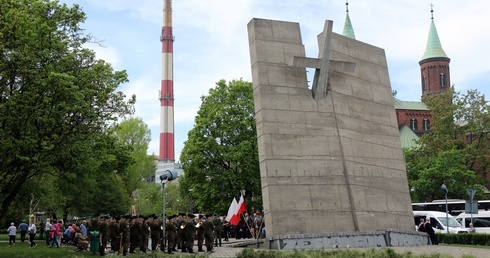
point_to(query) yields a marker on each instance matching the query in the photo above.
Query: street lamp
(444, 188)
(164, 178)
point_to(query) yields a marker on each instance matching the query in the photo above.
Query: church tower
(434, 66)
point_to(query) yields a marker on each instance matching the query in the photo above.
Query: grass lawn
(42, 250)
(22, 250)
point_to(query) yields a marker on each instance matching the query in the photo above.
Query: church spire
(434, 47)
(348, 30)
(434, 66)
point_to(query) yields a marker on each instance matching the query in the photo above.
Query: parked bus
(455, 207)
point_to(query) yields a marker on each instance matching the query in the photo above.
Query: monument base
(378, 238)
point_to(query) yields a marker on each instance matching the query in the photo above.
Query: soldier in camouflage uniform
(171, 232)
(124, 235)
(133, 234)
(144, 232)
(115, 231)
(93, 225)
(181, 242)
(190, 233)
(155, 232)
(104, 233)
(218, 225)
(200, 233)
(208, 228)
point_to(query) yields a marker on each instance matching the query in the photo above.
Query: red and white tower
(166, 157)
(167, 152)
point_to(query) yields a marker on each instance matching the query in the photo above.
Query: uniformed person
(145, 233)
(181, 241)
(115, 232)
(170, 232)
(94, 223)
(190, 233)
(208, 228)
(104, 233)
(200, 233)
(133, 234)
(155, 232)
(218, 225)
(124, 235)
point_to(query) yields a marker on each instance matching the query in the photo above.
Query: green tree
(472, 118)
(427, 173)
(136, 135)
(220, 156)
(456, 150)
(56, 98)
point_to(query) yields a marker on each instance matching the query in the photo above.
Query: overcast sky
(211, 43)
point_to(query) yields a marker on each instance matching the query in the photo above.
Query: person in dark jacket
(430, 231)
(421, 226)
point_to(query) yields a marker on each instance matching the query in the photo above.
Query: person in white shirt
(12, 233)
(47, 229)
(32, 234)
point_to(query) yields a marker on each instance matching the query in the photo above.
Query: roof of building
(434, 47)
(348, 30)
(410, 105)
(408, 137)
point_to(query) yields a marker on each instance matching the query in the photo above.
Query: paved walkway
(231, 248)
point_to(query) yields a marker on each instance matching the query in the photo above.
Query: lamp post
(164, 178)
(444, 188)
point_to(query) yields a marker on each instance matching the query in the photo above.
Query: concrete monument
(331, 163)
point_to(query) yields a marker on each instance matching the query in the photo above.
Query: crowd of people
(137, 233)
(24, 229)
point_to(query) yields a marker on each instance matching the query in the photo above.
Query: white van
(438, 221)
(481, 221)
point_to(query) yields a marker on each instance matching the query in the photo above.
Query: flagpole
(249, 229)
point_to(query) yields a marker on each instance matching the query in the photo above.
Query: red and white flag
(231, 211)
(242, 206)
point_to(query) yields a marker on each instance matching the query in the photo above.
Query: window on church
(424, 83)
(442, 80)
(426, 124)
(413, 124)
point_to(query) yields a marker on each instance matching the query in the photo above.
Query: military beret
(190, 215)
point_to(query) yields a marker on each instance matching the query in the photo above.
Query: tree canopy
(220, 156)
(135, 134)
(57, 100)
(456, 150)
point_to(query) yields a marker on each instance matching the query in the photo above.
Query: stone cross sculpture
(331, 164)
(323, 63)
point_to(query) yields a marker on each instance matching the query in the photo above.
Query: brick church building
(414, 117)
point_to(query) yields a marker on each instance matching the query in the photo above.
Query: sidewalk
(234, 246)
(228, 249)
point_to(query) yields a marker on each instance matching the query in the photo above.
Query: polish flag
(242, 206)
(232, 210)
